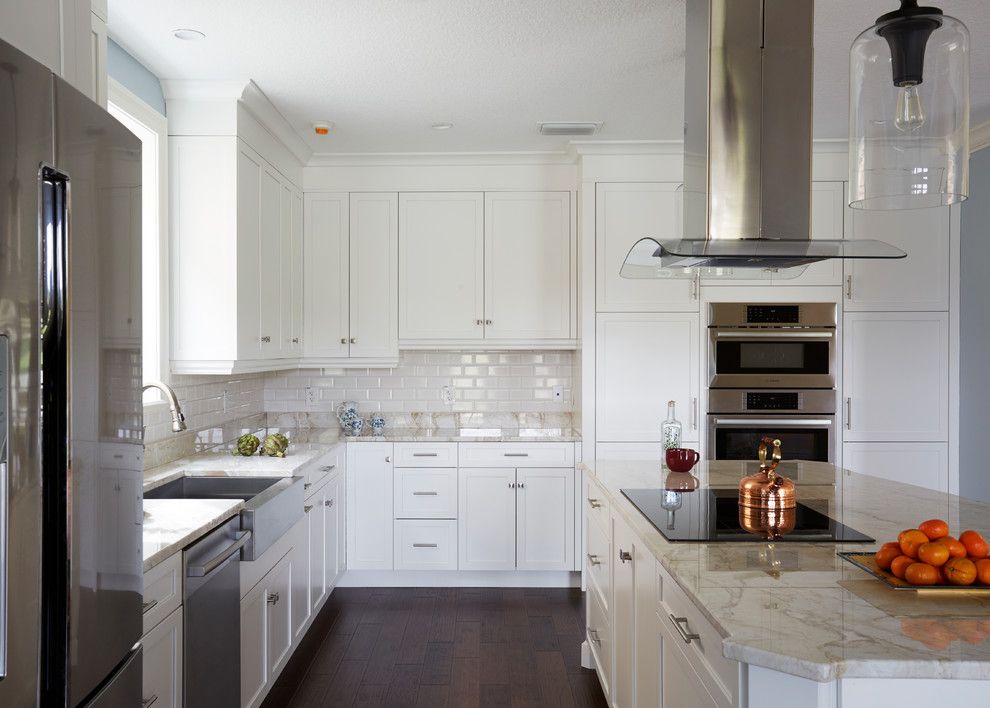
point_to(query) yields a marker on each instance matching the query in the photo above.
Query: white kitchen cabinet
(919, 463)
(162, 663)
(374, 287)
(545, 518)
(426, 493)
(369, 506)
(528, 271)
(254, 646)
(623, 612)
(644, 360)
(317, 531)
(121, 296)
(326, 276)
(279, 614)
(300, 609)
(624, 214)
(895, 376)
(426, 544)
(98, 58)
(486, 529)
(334, 523)
(291, 291)
(679, 684)
(441, 265)
(269, 270)
(919, 282)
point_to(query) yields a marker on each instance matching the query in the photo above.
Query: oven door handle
(775, 334)
(793, 422)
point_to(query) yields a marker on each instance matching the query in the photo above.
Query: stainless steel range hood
(748, 94)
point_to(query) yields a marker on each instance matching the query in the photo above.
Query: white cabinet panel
(269, 275)
(374, 259)
(317, 532)
(162, 663)
(441, 265)
(918, 282)
(599, 632)
(679, 684)
(828, 204)
(162, 591)
(326, 275)
(623, 612)
(896, 376)
(290, 250)
(422, 493)
(335, 539)
(279, 614)
(487, 526)
(98, 58)
(251, 199)
(254, 646)
(624, 214)
(643, 361)
(426, 544)
(300, 569)
(545, 519)
(424, 454)
(527, 265)
(369, 504)
(922, 464)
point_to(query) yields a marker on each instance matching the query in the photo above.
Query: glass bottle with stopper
(670, 429)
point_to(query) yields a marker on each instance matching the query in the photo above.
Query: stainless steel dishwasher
(211, 622)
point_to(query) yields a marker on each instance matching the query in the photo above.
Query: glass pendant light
(909, 111)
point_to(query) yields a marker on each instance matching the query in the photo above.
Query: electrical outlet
(447, 394)
(558, 393)
(310, 395)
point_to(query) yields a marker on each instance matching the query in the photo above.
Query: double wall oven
(771, 372)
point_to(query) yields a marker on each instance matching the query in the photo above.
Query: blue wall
(974, 355)
(135, 76)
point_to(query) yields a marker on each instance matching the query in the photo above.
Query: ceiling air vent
(570, 128)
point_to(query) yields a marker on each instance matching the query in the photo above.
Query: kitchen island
(767, 624)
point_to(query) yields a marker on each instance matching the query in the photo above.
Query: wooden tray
(866, 561)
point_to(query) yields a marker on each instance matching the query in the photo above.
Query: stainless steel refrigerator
(70, 373)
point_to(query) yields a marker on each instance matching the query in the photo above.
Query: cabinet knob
(328, 503)
(272, 598)
(521, 485)
(295, 340)
(388, 458)
(307, 508)
(266, 339)
(593, 559)
(488, 322)
(625, 556)
(343, 340)
(353, 340)
(479, 322)
(512, 485)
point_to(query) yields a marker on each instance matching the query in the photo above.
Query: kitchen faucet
(178, 419)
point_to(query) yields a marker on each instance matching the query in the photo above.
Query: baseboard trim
(459, 578)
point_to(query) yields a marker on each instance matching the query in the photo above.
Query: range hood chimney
(746, 201)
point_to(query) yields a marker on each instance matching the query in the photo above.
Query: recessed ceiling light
(322, 127)
(442, 126)
(188, 35)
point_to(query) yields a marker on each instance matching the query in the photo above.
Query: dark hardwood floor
(436, 647)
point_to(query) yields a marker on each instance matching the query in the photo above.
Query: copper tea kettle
(767, 505)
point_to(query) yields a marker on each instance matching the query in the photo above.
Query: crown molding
(979, 137)
(426, 159)
(204, 90)
(626, 147)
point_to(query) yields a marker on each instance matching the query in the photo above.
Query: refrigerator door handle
(4, 501)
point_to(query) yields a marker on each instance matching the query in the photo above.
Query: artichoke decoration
(275, 445)
(247, 445)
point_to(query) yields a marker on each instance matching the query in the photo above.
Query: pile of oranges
(928, 555)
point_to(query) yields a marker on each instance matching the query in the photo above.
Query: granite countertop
(800, 609)
(172, 524)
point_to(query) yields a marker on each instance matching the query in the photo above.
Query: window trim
(143, 113)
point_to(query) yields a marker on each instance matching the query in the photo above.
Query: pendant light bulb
(910, 113)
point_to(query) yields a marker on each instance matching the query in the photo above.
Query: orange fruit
(899, 565)
(910, 540)
(975, 544)
(983, 571)
(887, 553)
(921, 574)
(956, 549)
(960, 571)
(934, 528)
(935, 554)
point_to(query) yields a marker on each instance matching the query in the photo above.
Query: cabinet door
(623, 612)
(921, 464)
(296, 277)
(278, 583)
(269, 276)
(441, 265)
(545, 519)
(624, 214)
(643, 361)
(896, 376)
(98, 58)
(325, 275)
(121, 206)
(679, 684)
(374, 254)
(369, 504)
(828, 205)
(249, 228)
(290, 292)
(646, 642)
(254, 645)
(162, 656)
(918, 282)
(316, 526)
(333, 558)
(486, 528)
(299, 561)
(528, 265)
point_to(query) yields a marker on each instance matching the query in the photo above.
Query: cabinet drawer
(425, 545)
(597, 508)
(598, 563)
(426, 454)
(600, 640)
(425, 493)
(516, 454)
(321, 468)
(162, 591)
(720, 675)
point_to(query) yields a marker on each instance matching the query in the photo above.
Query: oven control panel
(772, 401)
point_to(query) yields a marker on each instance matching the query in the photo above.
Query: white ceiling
(384, 70)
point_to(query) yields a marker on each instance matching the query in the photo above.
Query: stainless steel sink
(272, 505)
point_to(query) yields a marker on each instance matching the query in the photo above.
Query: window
(150, 127)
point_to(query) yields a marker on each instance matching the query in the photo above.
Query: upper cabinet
(496, 266)
(326, 275)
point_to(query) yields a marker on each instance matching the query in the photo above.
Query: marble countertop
(172, 524)
(465, 434)
(800, 609)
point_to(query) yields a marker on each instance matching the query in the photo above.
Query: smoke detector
(569, 127)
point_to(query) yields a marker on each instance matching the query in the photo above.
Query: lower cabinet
(680, 685)
(919, 463)
(162, 657)
(369, 500)
(266, 631)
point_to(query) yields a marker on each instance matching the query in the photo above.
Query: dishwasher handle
(199, 571)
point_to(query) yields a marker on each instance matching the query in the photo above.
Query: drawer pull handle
(307, 508)
(148, 702)
(145, 606)
(328, 468)
(593, 559)
(328, 502)
(681, 624)
(593, 633)
(594, 503)
(424, 454)
(424, 494)
(425, 545)
(273, 598)
(624, 556)
(516, 454)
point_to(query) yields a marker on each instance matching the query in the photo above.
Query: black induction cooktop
(712, 515)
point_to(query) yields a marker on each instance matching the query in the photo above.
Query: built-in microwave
(767, 345)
